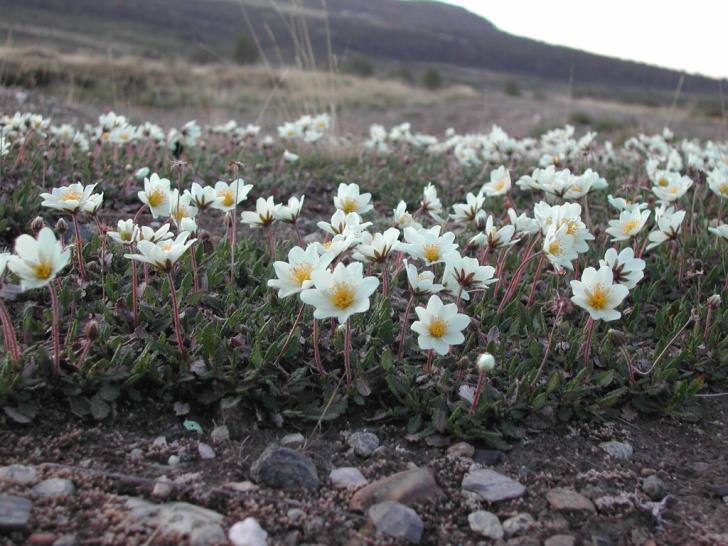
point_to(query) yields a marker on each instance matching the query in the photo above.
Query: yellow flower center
(673, 189)
(598, 298)
(71, 196)
(555, 248)
(228, 199)
(576, 188)
(167, 247)
(630, 226)
(500, 185)
(156, 197)
(570, 227)
(723, 188)
(437, 327)
(125, 236)
(663, 182)
(349, 204)
(179, 213)
(301, 273)
(342, 295)
(43, 270)
(431, 252)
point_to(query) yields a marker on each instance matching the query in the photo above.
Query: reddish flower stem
(79, 246)
(55, 330)
(175, 314)
(405, 324)
(476, 396)
(347, 352)
(11, 342)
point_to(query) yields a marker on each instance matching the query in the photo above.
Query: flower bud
(37, 224)
(61, 226)
(91, 331)
(714, 301)
(485, 363)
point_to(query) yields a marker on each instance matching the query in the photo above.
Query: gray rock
(654, 487)
(408, 486)
(205, 451)
(569, 500)
(295, 438)
(248, 533)
(66, 540)
(220, 434)
(461, 449)
(136, 454)
(160, 442)
(284, 468)
(173, 460)
(492, 486)
(14, 512)
(560, 540)
(363, 443)
(486, 524)
(176, 519)
(518, 524)
(489, 457)
(397, 520)
(347, 477)
(295, 515)
(699, 468)
(622, 451)
(163, 488)
(18, 474)
(54, 487)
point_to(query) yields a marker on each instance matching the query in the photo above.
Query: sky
(689, 36)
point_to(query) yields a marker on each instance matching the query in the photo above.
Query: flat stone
(461, 449)
(407, 487)
(66, 540)
(622, 451)
(347, 477)
(569, 500)
(163, 488)
(397, 521)
(719, 490)
(136, 454)
(242, 487)
(295, 438)
(173, 460)
(248, 533)
(492, 486)
(489, 457)
(284, 468)
(486, 524)
(518, 524)
(173, 520)
(363, 443)
(295, 515)
(14, 512)
(54, 487)
(205, 451)
(220, 434)
(699, 467)
(654, 488)
(560, 540)
(18, 474)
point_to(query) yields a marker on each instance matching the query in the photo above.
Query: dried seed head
(91, 330)
(61, 226)
(37, 224)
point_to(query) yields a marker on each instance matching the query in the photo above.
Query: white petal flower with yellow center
(349, 199)
(37, 261)
(670, 186)
(229, 196)
(626, 269)
(495, 237)
(377, 247)
(341, 293)
(430, 202)
(263, 215)
(146, 233)
(463, 274)
(439, 326)
(523, 223)
(422, 283)
(69, 198)
(127, 232)
(93, 203)
(402, 218)
(629, 224)
(289, 213)
(465, 212)
(597, 294)
(718, 181)
(202, 197)
(669, 222)
(156, 195)
(344, 223)
(162, 255)
(500, 183)
(295, 274)
(621, 204)
(180, 206)
(428, 245)
(558, 246)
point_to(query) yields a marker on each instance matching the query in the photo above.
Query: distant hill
(389, 30)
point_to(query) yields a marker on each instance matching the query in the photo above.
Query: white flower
(430, 203)
(295, 274)
(142, 173)
(439, 326)
(349, 199)
(568, 214)
(402, 218)
(597, 294)
(377, 247)
(69, 198)
(463, 274)
(421, 284)
(428, 244)
(4, 256)
(718, 181)
(626, 269)
(500, 182)
(180, 207)
(289, 213)
(263, 215)
(146, 233)
(93, 203)
(290, 157)
(629, 224)
(126, 232)
(188, 225)
(621, 204)
(289, 131)
(523, 223)
(156, 195)
(37, 261)
(465, 212)
(670, 186)
(230, 195)
(558, 245)
(494, 237)
(162, 255)
(344, 223)
(340, 294)
(668, 226)
(202, 196)
(720, 231)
